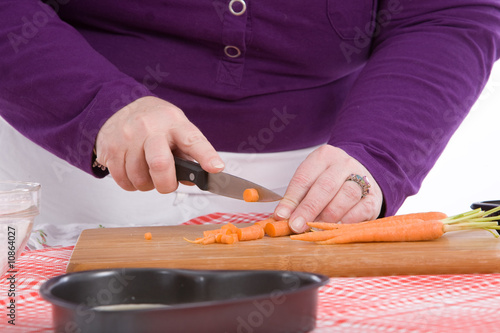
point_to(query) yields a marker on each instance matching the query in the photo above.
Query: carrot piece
(327, 234)
(250, 233)
(278, 229)
(211, 232)
(251, 195)
(263, 223)
(230, 227)
(229, 239)
(401, 232)
(196, 241)
(208, 240)
(148, 236)
(207, 233)
(218, 237)
(421, 216)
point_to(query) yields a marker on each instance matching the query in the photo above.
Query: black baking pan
(194, 300)
(487, 205)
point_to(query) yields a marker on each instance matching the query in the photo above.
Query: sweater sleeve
(429, 62)
(54, 88)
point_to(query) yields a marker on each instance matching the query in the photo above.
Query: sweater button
(237, 7)
(232, 51)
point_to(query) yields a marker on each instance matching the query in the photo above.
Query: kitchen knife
(219, 183)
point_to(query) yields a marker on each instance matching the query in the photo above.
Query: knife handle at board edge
(191, 172)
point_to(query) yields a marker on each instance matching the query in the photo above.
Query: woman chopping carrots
(344, 106)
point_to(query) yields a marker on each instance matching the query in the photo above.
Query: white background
(469, 168)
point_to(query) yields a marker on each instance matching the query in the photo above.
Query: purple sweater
(388, 81)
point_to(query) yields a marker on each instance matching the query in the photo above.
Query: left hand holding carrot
(319, 191)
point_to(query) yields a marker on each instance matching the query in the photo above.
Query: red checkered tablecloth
(424, 303)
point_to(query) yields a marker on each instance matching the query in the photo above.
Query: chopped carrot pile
(251, 195)
(230, 234)
(148, 236)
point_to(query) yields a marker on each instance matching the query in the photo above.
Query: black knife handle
(192, 172)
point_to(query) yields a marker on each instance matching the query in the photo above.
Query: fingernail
(283, 213)
(298, 224)
(217, 163)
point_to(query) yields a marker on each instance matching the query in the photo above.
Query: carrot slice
(229, 239)
(278, 229)
(251, 195)
(208, 240)
(250, 233)
(148, 236)
(218, 237)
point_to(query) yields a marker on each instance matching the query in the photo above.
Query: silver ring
(362, 182)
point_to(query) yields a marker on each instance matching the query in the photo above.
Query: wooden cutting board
(459, 252)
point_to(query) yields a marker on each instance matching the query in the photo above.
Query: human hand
(319, 191)
(137, 142)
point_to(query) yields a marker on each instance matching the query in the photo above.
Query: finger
(192, 142)
(160, 163)
(117, 170)
(345, 199)
(137, 169)
(297, 189)
(366, 209)
(315, 201)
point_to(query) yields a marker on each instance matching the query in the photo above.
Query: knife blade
(220, 183)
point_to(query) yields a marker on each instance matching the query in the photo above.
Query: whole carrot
(315, 236)
(403, 217)
(401, 232)
(405, 232)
